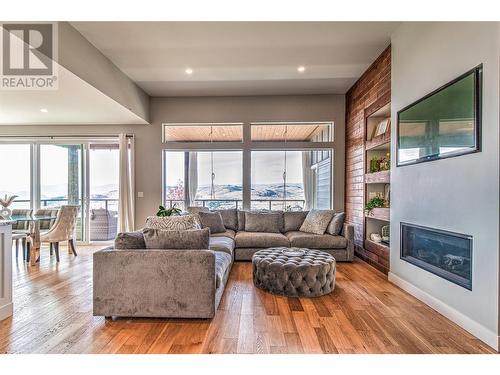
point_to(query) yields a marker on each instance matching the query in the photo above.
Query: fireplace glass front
(446, 254)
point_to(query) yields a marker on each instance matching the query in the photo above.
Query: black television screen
(442, 124)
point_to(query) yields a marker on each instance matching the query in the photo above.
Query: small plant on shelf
(378, 164)
(172, 211)
(375, 202)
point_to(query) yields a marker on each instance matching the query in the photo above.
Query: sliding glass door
(61, 179)
(50, 174)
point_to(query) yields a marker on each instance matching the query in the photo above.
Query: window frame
(247, 146)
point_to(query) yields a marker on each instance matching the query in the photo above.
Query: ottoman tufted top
(308, 275)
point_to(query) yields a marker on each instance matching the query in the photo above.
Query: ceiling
(240, 58)
(74, 102)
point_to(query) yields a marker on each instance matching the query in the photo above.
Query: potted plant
(172, 211)
(375, 202)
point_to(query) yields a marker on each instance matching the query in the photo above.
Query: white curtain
(307, 180)
(193, 177)
(126, 189)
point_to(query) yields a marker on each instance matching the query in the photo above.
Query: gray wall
(148, 156)
(459, 194)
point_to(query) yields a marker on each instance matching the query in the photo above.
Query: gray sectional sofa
(135, 280)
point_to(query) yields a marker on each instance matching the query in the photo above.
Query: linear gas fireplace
(443, 253)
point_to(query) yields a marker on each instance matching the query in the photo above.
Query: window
(269, 166)
(217, 132)
(291, 132)
(174, 179)
(220, 179)
(277, 182)
(16, 174)
(204, 178)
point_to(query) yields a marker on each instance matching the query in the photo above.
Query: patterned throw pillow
(183, 222)
(336, 225)
(317, 221)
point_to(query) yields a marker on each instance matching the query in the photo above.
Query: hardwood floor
(365, 314)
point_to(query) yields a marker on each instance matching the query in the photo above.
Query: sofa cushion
(261, 239)
(222, 244)
(293, 220)
(337, 223)
(213, 221)
(263, 222)
(222, 264)
(317, 221)
(193, 210)
(130, 240)
(182, 222)
(241, 220)
(316, 241)
(176, 239)
(229, 218)
(228, 233)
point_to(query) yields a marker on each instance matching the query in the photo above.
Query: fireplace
(446, 254)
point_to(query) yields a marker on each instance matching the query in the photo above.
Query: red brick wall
(372, 87)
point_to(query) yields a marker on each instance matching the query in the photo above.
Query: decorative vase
(5, 212)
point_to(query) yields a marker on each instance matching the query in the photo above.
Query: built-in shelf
(382, 177)
(382, 213)
(380, 143)
(379, 248)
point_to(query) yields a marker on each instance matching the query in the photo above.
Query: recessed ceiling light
(301, 69)
(44, 110)
(189, 71)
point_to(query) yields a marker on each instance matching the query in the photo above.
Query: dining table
(34, 233)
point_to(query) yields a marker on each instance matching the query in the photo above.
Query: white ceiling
(240, 58)
(74, 102)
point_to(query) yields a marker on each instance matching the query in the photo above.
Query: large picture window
(261, 166)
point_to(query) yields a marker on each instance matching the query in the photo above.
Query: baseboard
(481, 332)
(6, 311)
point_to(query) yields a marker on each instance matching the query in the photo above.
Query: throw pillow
(229, 218)
(213, 221)
(177, 239)
(193, 210)
(263, 222)
(317, 221)
(336, 225)
(130, 240)
(183, 222)
(294, 219)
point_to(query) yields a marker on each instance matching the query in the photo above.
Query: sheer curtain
(193, 177)
(307, 180)
(126, 189)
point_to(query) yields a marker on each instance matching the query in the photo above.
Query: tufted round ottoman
(308, 275)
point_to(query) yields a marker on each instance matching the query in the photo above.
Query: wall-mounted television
(442, 124)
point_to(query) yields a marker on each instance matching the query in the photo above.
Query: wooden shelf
(382, 177)
(381, 249)
(382, 142)
(380, 214)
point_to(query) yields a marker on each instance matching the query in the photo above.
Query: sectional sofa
(137, 278)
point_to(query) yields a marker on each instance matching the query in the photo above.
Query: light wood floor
(365, 314)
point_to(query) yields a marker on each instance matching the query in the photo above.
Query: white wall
(459, 194)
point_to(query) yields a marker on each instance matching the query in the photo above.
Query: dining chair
(21, 231)
(45, 225)
(63, 229)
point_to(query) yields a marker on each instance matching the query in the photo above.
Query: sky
(15, 176)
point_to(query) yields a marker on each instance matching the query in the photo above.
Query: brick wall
(372, 87)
